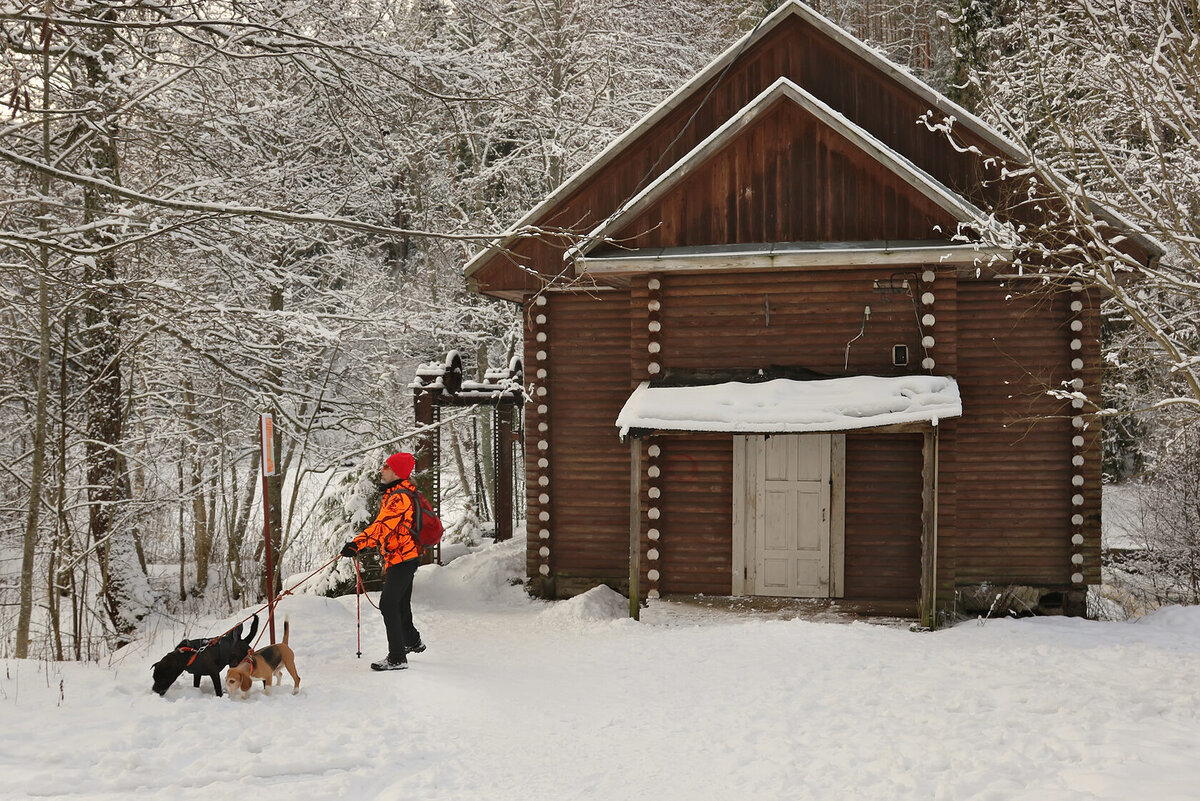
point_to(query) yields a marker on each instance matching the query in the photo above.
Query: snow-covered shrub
(1159, 562)
(344, 512)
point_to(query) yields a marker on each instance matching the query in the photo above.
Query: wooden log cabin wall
(804, 236)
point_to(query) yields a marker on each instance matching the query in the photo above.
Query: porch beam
(667, 261)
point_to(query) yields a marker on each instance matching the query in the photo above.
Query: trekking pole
(358, 604)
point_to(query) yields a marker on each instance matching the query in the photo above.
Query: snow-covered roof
(791, 406)
(786, 90)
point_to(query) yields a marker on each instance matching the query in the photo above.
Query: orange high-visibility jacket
(392, 530)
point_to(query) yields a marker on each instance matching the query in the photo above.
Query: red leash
(360, 585)
(197, 651)
(288, 591)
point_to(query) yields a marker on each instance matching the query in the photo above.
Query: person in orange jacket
(392, 533)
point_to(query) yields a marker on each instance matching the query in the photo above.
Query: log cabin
(784, 348)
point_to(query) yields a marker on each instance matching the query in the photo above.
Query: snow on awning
(788, 406)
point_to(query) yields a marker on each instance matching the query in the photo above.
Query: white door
(792, 515)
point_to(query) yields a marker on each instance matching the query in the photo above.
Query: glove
(350, 549)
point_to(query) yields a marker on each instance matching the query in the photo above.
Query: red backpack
(427, 527)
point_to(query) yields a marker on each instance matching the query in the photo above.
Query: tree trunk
(182, 538)
(64, 579)
(463, 476)
(25, 611)
(202, 540)
(39, 461)
(237, 534)
(125, 588)
(487, 438)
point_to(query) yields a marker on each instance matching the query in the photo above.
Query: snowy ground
(517, 699)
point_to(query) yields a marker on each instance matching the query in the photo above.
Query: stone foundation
(1015, 600)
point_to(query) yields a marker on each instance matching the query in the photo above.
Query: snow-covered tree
(1104, 100)
(193, 193)
(220, 209)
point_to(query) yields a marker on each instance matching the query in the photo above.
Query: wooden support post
(635, 525)
(927, 604)
(504, 472)
(266, 423)
(423, 415)
(428, 461)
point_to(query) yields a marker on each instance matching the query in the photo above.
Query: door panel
(792, 524)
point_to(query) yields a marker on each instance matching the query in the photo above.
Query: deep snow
(521, 699)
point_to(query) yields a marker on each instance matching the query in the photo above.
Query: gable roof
(786, 10)
(786, 90)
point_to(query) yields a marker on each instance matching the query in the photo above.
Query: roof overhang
(616, 265)
(783, 406)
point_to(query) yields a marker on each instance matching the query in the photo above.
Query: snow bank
(1178, 624)
(594, 606)
(519, 699)
(493, 576)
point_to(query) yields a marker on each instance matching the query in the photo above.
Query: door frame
(745, 479)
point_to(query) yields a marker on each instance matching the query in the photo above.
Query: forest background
(212, 210)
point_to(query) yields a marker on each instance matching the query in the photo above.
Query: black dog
(203, 658)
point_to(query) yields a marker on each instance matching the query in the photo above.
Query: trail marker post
(266, 430)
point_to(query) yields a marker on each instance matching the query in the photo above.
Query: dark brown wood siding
(946, 540)
(883, 517)
(798, 319)
(587, 382)
(1092, 451)
(1006, 500)
(945, 309)
(1013, 466)
(697, 514)
(788, 178)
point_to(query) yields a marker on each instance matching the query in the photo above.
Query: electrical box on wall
(900, 355)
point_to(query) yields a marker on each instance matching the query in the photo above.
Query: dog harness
(196, 651)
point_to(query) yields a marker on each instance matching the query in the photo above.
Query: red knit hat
(402, 464)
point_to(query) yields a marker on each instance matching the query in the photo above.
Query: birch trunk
(25, 611)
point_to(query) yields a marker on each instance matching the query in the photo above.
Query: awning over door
(792, 406)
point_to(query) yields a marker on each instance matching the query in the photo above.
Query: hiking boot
(415, 649)
(387, 663)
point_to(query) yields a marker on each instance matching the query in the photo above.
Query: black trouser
(395, 603)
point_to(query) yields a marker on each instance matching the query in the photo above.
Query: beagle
(267, 665)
